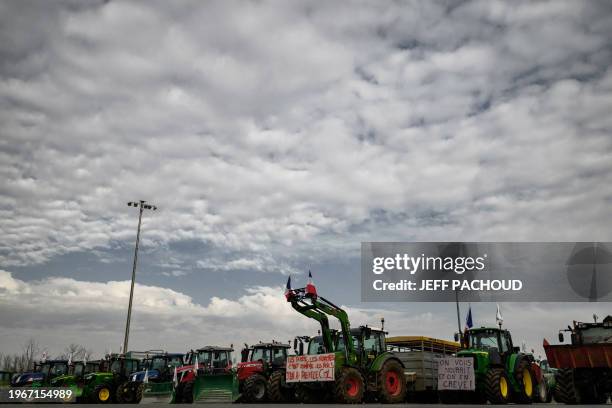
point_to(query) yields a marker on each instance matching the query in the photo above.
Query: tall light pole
(141, 205)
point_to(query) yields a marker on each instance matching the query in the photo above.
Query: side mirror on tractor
(561, 337)
(295, 342)
(456, 336)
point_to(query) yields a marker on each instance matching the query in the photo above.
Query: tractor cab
(79, 368)
(368, 343)
(207, 376)
(119, 366)
(487, 339)
(159, 367)
(212, 359)
(590, 333)
(273, 354)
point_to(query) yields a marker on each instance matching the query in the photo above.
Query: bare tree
(78, 352)
(30, 351)
(6, 362)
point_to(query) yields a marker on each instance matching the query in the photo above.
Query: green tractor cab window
(484, 340)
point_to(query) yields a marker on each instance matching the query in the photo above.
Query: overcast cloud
(274, 137)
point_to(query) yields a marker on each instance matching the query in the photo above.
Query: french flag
(288, 290)
(311, 290)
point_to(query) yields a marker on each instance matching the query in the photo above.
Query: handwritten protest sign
(456, 373)
(307, 368)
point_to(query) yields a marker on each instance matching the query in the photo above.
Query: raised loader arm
(318, 308)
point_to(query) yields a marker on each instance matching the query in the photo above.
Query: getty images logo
(414, 264)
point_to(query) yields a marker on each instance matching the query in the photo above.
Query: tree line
(32, 352)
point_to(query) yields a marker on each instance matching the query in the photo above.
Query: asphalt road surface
(294, 405)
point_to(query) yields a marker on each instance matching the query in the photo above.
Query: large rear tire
(525, 377)
(349, 387)
(391, 383)
(565, 391)
(129, 392)
(255, 388)
(278, 391)
(497, 386)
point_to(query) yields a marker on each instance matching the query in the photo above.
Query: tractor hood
(25, 379)
(140, 375)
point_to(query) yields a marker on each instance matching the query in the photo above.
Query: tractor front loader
(363, 368)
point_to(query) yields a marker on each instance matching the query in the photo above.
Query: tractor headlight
(134, 377)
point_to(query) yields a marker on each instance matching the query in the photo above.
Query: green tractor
(363, 368)
(74, 379)
(502, 372)
(207, 377)
(549, 381)
(101, 386)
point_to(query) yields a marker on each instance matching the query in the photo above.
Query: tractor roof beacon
(503, 373)
(363, 367)
(584, 373)
(261, 373)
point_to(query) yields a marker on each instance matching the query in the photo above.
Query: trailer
(419, 355)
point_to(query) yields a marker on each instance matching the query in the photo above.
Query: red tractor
(584, 368)
(261, 373)
(213, 363)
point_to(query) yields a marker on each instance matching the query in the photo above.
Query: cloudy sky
(276, 136)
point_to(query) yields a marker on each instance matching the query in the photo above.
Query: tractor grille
(215, 396)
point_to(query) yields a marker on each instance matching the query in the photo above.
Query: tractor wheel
(178, 393)
(255, 388)
(123, 394)
(278, 391)
(525, 378)
(138, 392)
(349, 387)
(543, 392)
(391, 383)
(102, 394)
(497, 386)
(187, 397)
(565, 391)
